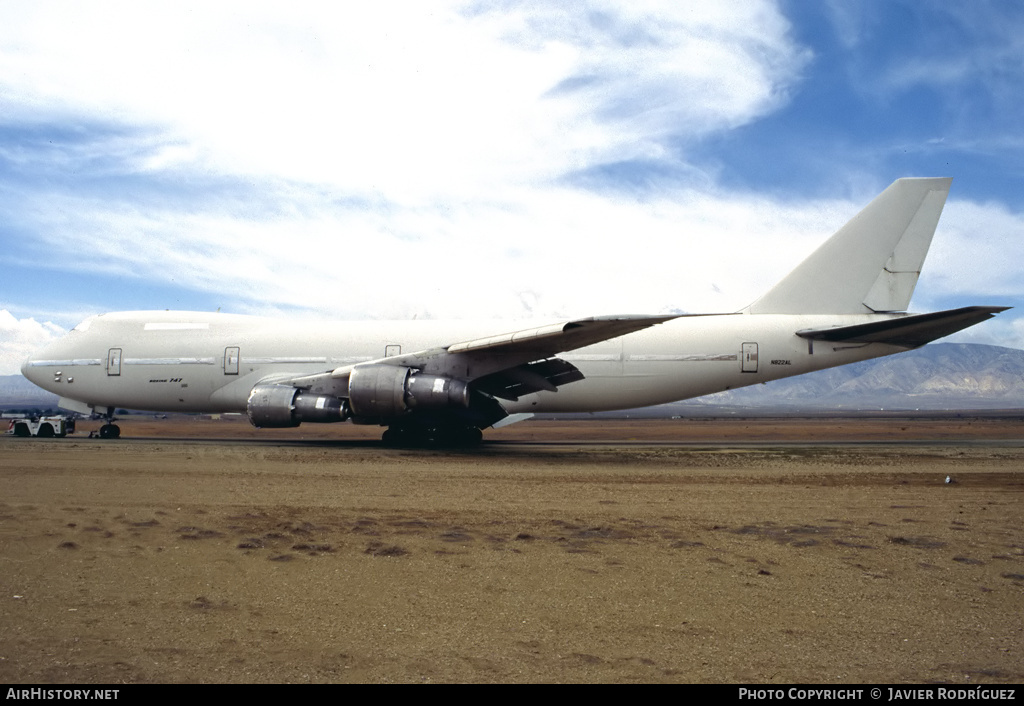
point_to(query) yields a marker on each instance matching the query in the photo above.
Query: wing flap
(911, 331)
(513, 383)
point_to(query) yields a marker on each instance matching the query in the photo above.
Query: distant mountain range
(17, 392)
(938, 376)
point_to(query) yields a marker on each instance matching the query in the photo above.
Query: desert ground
(760, 551)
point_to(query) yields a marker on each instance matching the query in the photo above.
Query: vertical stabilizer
(872, 263)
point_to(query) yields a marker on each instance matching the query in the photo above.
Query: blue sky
(477, 160)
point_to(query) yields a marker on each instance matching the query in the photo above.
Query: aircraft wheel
(460, 437)
(438, 437)
(398, 436)
(110, 431)
(448, 437)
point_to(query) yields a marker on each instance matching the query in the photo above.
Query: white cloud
(848, 20)
(394, 152)
(407, 159)
(413, 100)
(21, 338)
(977, 250)
(564, 251)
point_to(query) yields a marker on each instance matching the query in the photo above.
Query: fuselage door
(114, 362)
(392, 349)
(231, 360)
(749, 358)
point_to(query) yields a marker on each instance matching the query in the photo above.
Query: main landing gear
(441, 436)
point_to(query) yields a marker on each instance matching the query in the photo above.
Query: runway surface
(754, 551)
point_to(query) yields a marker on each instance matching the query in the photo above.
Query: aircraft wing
(507, 365)
(911, 331)
(512, 353)
(557, 338)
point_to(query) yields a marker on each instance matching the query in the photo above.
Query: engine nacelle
(287, 406)
(386, 391)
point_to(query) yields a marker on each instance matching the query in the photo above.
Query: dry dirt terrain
(655, 551)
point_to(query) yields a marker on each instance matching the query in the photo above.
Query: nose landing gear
(110, 430)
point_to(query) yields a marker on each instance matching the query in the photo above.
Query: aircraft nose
(32, 369)
(31, 373)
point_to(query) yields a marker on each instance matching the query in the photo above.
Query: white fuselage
(199, 362)
(432, 380)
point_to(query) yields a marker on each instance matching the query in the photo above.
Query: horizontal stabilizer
(911, 331)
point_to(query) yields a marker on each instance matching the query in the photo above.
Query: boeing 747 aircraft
(435, 382)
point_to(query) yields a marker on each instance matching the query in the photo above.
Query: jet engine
(376, 393)
(286, 406)
(387, 392)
